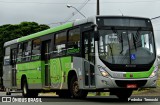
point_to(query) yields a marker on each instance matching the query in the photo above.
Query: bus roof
(48, 31)
(61, 27)
(45, 32)
(119, 16)
(55, 29)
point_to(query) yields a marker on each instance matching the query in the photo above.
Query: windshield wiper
(134, 41)
(121, 40)
(113, 61)
(137, 33)
(135, 38)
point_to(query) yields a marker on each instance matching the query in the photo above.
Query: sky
(51, 12)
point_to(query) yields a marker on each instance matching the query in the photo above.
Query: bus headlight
(154, 73)
(103, 72)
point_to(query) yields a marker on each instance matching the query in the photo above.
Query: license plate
(131, 85)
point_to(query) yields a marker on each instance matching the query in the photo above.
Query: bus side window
(7, 56)
(36, 51)
(19, 56)
(60, 44)
(73, 45)
(26, 51)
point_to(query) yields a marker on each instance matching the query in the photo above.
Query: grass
(101, 94)
(150, 91)
(48, 94)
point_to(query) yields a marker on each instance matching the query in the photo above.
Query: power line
(79, 9)
(75, 12)
(72, 14)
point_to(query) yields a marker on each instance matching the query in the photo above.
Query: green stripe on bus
(45, 32)
(137, 75)
(32, 70)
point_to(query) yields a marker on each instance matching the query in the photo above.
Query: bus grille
(123, 83)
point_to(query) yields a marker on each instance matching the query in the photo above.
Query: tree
(9, 32)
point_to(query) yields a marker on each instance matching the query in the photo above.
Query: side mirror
(96, 36)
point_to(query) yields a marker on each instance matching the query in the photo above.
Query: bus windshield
(126, 46)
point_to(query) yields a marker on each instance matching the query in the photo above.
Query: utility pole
(98, 11)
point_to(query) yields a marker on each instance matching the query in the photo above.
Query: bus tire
(26, 92)
(74, 89)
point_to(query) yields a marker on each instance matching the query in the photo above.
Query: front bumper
(109, 82)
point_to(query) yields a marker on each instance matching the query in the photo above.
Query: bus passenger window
(36, 52)
(60, 44)
(73, 41)
(19, 57)
(27, 51)
(7, 56)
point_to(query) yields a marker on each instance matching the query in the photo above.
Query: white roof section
(92, 19)
(83, 21)
(10, 42)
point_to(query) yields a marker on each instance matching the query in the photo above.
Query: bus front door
(13, 63)
(46, 57)
(89, 58)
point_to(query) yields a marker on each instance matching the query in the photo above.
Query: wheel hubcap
(24, 89)
(75, 88)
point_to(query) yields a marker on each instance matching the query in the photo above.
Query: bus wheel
(123, 94)
(74, 89)
(25, 91)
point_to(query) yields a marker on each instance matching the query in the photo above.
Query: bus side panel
(32, 71)
(78, 65)
(66, 67)
(85, 73)
(55, 73)
(7, 76)
(59, 68)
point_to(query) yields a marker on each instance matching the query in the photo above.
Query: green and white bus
(100, 53)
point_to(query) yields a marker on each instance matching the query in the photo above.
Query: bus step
(16, 91)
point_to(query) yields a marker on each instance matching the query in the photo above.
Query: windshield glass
(126, 46)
